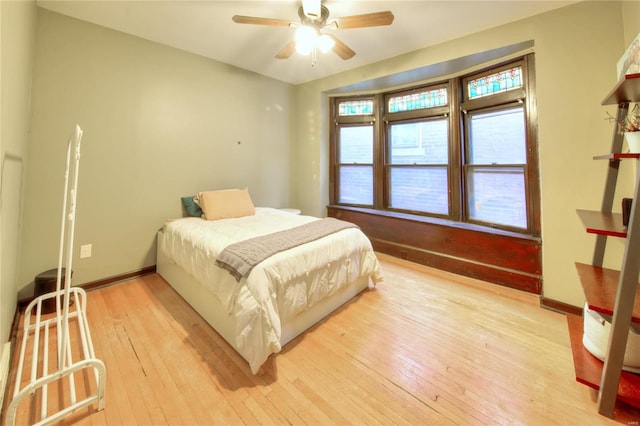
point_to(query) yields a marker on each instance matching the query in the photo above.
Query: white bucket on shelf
(596, 338)
(633, 141)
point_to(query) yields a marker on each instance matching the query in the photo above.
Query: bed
(281, 296)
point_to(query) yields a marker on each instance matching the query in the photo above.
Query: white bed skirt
(207, 305)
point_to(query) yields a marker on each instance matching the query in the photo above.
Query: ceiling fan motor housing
(314, 21)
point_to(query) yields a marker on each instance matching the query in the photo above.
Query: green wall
(159, 123)
(17, 39)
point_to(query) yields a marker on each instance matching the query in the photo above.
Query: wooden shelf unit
(600, 286)
(626, 90)
(602, 223)
(616, 156)
(608, 291)
(589, 368)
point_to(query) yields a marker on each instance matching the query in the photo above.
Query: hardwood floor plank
(102, 338)
(200, 378)
(159, 355)
(423, 347)
(400, 367)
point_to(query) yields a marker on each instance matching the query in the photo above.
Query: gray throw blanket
(241, 257)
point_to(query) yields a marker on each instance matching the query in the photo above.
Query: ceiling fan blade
(240, 19)
(375, 19)
(287, 50)
(341, 49)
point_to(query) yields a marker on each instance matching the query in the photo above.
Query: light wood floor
(424, 347)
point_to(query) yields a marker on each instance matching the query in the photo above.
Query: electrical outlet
(85, 251)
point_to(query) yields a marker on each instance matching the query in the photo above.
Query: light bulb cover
(325, 43)
(306, 38)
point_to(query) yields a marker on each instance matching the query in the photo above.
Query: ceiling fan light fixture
(306, 39)
(325, 43)
(314, 18)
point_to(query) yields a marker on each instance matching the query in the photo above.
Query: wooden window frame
(458, 104)
(440, 112)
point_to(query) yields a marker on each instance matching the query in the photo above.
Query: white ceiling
(205, 28)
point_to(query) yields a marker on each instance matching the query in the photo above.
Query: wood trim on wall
(561, 307)
(117, 278)
(27, 296)
(500, 258)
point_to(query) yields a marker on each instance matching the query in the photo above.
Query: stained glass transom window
(428, 99)
(495, 83)
(362, 107)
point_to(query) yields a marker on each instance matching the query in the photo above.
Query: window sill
(437, 221)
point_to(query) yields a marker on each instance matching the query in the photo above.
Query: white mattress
(280, 287)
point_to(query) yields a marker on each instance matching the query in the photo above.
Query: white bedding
(278, 288)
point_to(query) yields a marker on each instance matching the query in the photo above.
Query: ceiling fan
(314, 18)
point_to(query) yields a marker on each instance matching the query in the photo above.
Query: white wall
(158, 124)
(576, 50)
(17, 39)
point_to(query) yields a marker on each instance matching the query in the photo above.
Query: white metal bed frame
(37, 336)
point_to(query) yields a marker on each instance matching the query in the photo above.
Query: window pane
(424, 142)
(495, 83)
(356, 185)
(498, 137)
(356, 145)
(355, 108)
(423, 189)
(427, 99)
(497, 195)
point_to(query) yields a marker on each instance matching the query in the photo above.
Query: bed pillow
(225, 204)
(191, 207)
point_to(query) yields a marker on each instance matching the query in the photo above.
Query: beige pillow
(226, 203)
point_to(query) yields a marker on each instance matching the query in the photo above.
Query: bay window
(462, 150)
